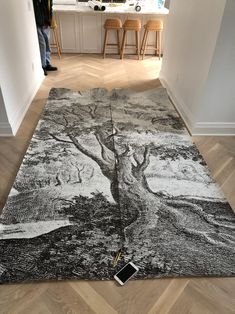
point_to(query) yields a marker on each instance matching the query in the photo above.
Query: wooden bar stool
(131, 25)
(152, 26)
(55, 44)
(112, 24)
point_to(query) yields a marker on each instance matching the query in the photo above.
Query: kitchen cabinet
(90, 33)
(68, 31)
(83, 32)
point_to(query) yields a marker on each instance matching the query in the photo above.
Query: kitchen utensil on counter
(96, 5)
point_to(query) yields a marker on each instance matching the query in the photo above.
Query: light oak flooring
(174, 296)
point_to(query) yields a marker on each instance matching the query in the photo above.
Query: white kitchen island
(80, 28)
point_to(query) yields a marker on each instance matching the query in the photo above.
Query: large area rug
(107, 171)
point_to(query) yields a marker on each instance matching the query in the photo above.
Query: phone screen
(126, 273)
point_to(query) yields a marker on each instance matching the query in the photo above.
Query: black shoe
(45, 71)
(49, 67)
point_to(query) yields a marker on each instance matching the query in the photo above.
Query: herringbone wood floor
(195, 296)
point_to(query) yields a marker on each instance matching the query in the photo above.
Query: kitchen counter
(121, 8)
(80, 28)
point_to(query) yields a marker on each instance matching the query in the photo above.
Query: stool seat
(154, 25)
(113, 24)
(132, 25)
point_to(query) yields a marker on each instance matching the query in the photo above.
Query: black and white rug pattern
(114, 170)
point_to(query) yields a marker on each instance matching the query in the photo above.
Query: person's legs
(46, 34)
(42, 46)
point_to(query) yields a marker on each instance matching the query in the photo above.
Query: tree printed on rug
(110, 170)
(176, 222)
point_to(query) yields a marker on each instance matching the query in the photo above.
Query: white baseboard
(197, 128)
(183, 110)
(5, 129)
(214, 128)
(19, 116)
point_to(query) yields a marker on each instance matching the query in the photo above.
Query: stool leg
(160, 45)
(157, 44)
(137, 44)
(57, 43)
(105, 42)
(123, 44)
(54, 40)
(142, 44)
(118, 41)
(145, 44)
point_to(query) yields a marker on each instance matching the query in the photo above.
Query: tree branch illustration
(58, 139)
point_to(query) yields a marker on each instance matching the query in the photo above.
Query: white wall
(190, 68)
(218, 98)
(5, 127)
(20, 67)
